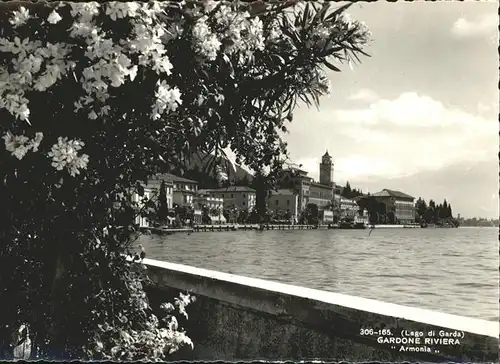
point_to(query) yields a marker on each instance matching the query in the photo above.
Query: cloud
(311, 165)
(364, 94)
(409, 134)
(484, 25)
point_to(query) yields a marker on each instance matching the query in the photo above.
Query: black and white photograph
(281, 180)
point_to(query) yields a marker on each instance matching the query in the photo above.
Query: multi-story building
(320, 195)
(154, 183)
(346, 207)
(152, 190)
(184, 189)
(297, 180)
(284, 201)
(399, 204)
(203, 198)
(309, 191)
(241, 197)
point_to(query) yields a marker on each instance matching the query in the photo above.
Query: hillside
(201, 168)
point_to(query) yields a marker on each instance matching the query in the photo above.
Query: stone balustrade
(241, 318)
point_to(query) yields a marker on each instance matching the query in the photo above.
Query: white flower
(201, 99)
(35, 143)
(206, 43)
(347, 19)
(162, 65)
(210, 5)
(166, 99)
(54, 17)
(219, 99)
(19, 145)
(20, 17)
(255, 35)
(86, 11)
(64, 154)
(118, 10)
(167, 306)
(92, 115)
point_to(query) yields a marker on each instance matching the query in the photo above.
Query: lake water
(449, 270)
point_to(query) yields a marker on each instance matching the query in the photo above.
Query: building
(309, 191)
(284, 201)
(320, 195)
(297, 180)
(326, 170)
(203, 198)
(346, 207)
(241, 197)
(184, 189)
(152, 190)
(398, 204)
(154, 183)
(214, 206)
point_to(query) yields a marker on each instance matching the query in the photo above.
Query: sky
(421, 114)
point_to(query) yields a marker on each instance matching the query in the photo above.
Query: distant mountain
(201, 168)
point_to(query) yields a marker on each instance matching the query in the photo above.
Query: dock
(394, 226)
(165, 231)
(261, 227)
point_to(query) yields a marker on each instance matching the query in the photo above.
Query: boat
(359, 225)
(345, 224)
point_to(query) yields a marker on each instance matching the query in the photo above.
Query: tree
(162, 204)
(94, 99)
(346, 192)
(420, 206)
(262, 183)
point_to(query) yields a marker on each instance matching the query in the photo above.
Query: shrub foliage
(94, 98)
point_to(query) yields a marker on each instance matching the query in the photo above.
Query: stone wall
(238, 318)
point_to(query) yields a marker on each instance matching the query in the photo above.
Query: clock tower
(326, 170)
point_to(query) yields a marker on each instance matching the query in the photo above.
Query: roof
(282, 192)
(391, 193)
(326, 154)
(174, 178)
(232, 189)
(295, 169)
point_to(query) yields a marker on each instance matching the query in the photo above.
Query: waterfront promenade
(242, 318)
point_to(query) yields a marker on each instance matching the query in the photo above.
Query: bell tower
(326, 170)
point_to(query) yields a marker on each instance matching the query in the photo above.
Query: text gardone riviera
(417, 340)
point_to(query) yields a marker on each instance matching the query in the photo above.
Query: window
(244, 196)
(222, 195)
(243, 203)
(232, 195)
(277, 202)
(288, 202)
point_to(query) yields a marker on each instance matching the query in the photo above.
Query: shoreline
(263, 227)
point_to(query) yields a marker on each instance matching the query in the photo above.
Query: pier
(394, 226)
(243, 318)
(231, 227)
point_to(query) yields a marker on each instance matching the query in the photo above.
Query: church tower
(326, 170)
